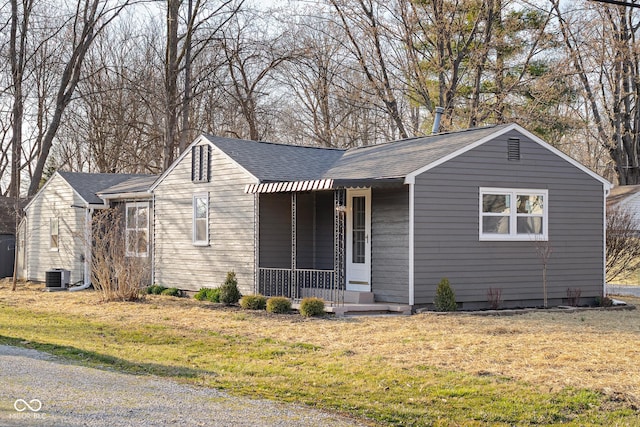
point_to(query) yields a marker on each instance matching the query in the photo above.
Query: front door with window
(359, 240)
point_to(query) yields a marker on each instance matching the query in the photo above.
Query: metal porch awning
(320, 184)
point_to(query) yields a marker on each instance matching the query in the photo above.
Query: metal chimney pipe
(436, 120)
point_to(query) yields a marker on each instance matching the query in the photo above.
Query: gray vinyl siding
(55, 200)
(390, 244)
(177, 262)
(447, 228)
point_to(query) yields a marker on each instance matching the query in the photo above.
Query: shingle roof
(87, 185)
(399, 158)
(271, 162)
(139, 184)
(268, 161)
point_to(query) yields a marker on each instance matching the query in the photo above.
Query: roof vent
(436, 120)
(513, 149)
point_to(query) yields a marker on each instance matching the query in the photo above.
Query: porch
(300, 245)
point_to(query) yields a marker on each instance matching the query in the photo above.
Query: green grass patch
(244, 362)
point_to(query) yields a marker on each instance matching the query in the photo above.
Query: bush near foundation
(229, 292)
(279, 305)
(312, 306)
(208, 294)
(253, 302)
(445, 299)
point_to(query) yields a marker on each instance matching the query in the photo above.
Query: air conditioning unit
(57, 279)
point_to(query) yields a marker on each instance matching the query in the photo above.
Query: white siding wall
(55, 200)
(177, 262)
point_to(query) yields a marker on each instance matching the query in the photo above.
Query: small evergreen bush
(445, 299)
(155, 289)
(208, 294)
(229, 293)
(312, 306)
(253, 302)
(278, 305)
(172, 292)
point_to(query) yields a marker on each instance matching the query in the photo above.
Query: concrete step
(355, 297)
(369, 309)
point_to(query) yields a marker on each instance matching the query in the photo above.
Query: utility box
(57, 279)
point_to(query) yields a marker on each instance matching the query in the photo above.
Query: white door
(359, 240)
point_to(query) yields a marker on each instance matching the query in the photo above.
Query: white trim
(187, 151)
(410, 178)
(140, 195)
(363, 270)
(412, 218)
(193, 220)
(513, 215)
(604, 242)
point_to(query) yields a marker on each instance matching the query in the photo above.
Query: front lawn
(540, 368)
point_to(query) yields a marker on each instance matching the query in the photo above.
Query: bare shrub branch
(117, 276)
(623, 243)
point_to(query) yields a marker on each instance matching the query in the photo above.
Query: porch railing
(299, 283)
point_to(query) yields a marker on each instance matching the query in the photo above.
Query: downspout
(604, 242)
(411, 244)
(88, 214)
(153, 239)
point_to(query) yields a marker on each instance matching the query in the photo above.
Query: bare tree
(601, 42)
(623, 243)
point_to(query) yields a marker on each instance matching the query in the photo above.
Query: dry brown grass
(590, 349)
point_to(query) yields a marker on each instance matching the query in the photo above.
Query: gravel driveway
(38, 389)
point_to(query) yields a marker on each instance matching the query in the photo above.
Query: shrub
(494, 297)
(278, 305)
(172, 292)
(229, 293)
(445, 299)
(208, 294)
(253, 302)
(155, 289)
(603, 302)
(573, 296)
(312, 306)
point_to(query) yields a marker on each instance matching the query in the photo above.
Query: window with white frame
(137, 229)
(513, 214)
(54, 235)
(201, 219)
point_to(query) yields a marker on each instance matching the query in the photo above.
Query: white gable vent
(513, 149)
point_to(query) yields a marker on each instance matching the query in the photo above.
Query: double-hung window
(201, 219)
(54, 234)
(513, 214)
(137, 229)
